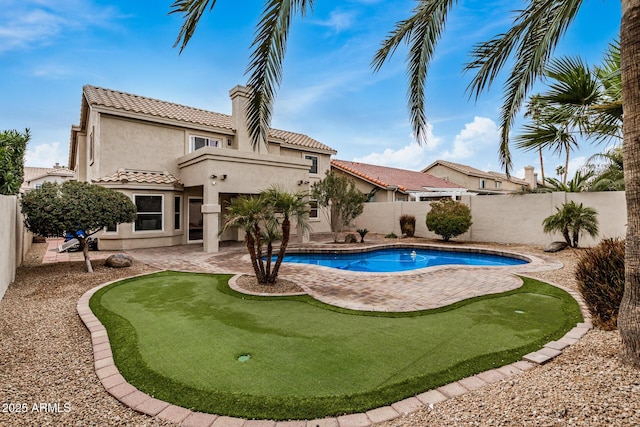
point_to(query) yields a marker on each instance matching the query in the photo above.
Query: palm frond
(192, 10)
(421, 32)
(265, 66)
(534, 36)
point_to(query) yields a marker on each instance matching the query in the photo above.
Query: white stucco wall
(505, 218)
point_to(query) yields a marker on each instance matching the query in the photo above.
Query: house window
(313, 208)
(149, 217)
(482, 183)
(314, 163)
(38, 186)
(177, 208)
(198, 142)
(498, 184)
(113, 228)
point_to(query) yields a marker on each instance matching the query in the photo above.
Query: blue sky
(50, 48)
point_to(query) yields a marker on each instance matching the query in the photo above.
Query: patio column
(210, 217)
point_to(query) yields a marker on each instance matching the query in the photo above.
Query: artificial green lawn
(178, 336)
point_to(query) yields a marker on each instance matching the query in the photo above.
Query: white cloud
(412, 156)
(46, 155)
(477, 135)
(338, 21)
(28, 23)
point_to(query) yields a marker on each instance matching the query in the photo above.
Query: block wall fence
(14, 241)
(505, 218)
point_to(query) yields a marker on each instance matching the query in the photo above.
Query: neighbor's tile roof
(503, 177)
(31, 173)
(467, 170)
(383, 176)
(168, 110)
(142, 177)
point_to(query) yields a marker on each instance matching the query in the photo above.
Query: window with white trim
(113, 228)
(177, 210)
(150, 212)
(498, 184)
(482, 183)
(314, 163)
(198, 142)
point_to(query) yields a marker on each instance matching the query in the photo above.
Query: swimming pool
(400, 259)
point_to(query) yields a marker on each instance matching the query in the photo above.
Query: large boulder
(555, 246)
(119, 261)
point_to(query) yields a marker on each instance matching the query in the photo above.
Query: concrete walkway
(420, 289)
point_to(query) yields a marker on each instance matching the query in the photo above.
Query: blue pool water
(399, 259)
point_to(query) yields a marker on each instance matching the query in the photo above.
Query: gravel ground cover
(47, 376)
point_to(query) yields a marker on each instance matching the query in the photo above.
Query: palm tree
(534, 110)
(572, 220)
(287, 206)
(266, 219)
(531, 41)
(564, 111)
(610, 176)
(580, 182)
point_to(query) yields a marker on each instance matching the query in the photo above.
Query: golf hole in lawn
(188, 339)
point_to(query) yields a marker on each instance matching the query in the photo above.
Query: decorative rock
(350, 238)
(119, 261)
(555, 246)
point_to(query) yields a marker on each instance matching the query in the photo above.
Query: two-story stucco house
(181, 165)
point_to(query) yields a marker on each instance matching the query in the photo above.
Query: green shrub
(600, 277)
(448, 218)
(391, 235)
(362, 232)
(408, 225)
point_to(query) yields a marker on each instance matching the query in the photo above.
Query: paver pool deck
(406, 291)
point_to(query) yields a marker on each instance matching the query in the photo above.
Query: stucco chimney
(239, 99)
(531, 177)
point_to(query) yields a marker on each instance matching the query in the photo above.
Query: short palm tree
(266, 219)
(572, 220)
(580, 182)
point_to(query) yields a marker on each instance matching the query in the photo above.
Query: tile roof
(141, 177)
(31, 173)
(167, 110)
(383, 176)
(468, 170)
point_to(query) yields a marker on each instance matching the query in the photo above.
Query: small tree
(341, 201)
(266, 219)
(54, 209)
(449, 218)
(13, 145)
(572, 220)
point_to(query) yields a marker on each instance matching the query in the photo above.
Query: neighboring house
(34, 177)
(181, 165)
(384, 184)
(481, 182)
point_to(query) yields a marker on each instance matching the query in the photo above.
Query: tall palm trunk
(629, 316)
(541, 165)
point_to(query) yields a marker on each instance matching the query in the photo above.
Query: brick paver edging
(127, 394)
